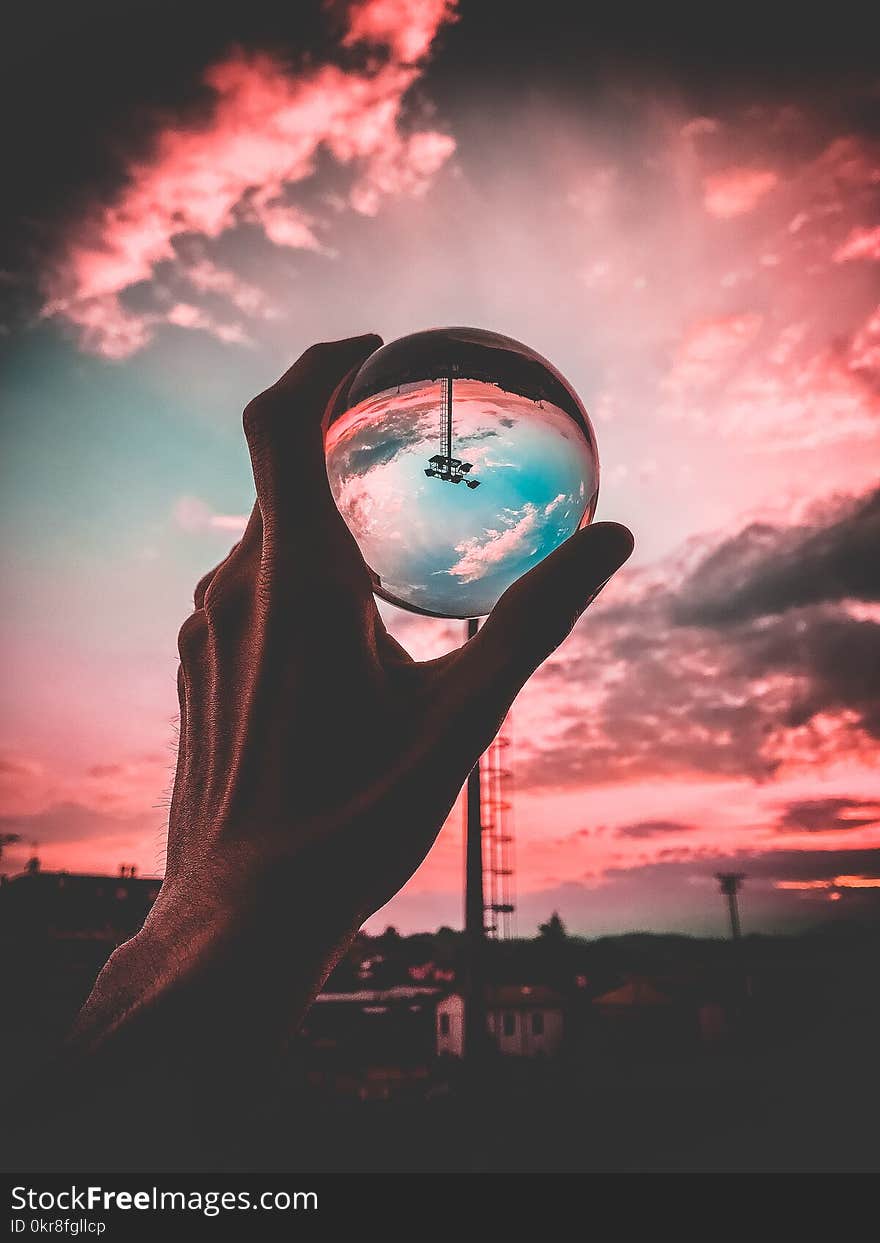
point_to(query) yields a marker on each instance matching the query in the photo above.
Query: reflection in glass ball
(459, 459)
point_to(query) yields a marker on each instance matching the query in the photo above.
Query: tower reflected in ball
(459, 459)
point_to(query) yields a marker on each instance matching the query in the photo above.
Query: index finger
(283, 427)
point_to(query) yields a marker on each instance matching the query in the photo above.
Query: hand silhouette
(310, 740)
(317, 762)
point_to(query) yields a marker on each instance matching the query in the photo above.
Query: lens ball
(459, 459)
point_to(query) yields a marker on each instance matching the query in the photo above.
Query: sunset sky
(685, 223)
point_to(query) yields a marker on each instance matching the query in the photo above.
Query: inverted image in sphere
(459, 459)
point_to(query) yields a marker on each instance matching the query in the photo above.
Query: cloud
(766, 569)
(779, 395)
(709, 347)
(406, 27)
(834, 882)
(699, 127)
(735, 191)
(264, 133)
(208, 277)
(653, 828)
(783, 865)
(753, 664)
(828, 815)
(193, 515)
(19, 766)
(105, 326)
(23, 782)
(859, 244)
(69, 822)
(185, 315)
(480, 554)
(783, 890)
(76, 837)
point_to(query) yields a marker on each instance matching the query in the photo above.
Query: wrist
(228, 951)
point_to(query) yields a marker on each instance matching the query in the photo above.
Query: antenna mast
(443, 465)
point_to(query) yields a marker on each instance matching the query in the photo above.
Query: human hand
(317, 761)
(310, 741)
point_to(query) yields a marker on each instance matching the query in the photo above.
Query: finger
(537, 612)
(205, 581)
(307, 547)
(284, 432)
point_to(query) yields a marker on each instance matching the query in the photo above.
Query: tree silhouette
(553, 930)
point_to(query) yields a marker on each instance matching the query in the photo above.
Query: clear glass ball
(459, 459)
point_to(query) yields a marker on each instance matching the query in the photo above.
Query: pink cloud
(406, 27)
(406, 166)
(787, 394)
(864, 352)
(264, 133)
(860, 244)
(699, 127)
(710, 345)
(735, 191)
(194, 515)
(479, 554)
(207, 277)
(22, 783)
(185, 315)
(105, 326)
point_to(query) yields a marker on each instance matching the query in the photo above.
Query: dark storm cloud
(807, 865)
(651, 895)
(87, 80)
(834, 658)
(714, 676)
(653, 828)
(823, 815)
(766, 570)
(359, 459)
(773, 866)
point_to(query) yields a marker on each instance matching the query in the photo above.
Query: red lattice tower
(498, 836)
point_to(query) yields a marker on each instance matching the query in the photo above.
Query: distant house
(522, 1021)
(639, 1016)
(636, 994)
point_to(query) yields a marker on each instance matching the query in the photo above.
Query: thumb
(539, 610)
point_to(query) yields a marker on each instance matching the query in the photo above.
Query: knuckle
(202, 587)
(191, 637)
(225, 600)
(255, 413)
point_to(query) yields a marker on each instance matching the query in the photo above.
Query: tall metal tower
(475, 1036)
(489, 873)
(498, 838)
(443, 465)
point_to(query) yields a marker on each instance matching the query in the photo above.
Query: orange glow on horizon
(839, 882)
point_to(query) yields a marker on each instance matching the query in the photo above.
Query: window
(538, 1023)
(444, 1024)
(510, 1024)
